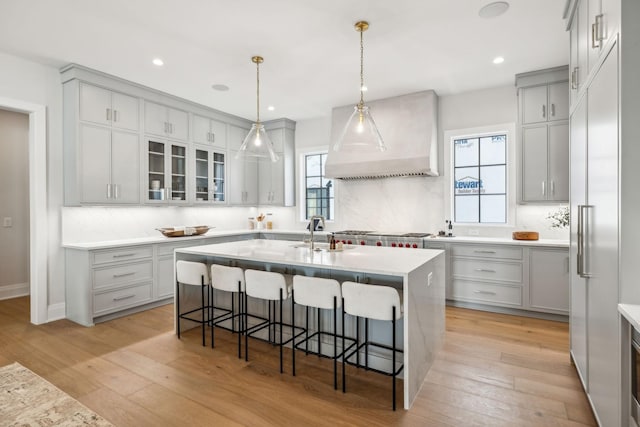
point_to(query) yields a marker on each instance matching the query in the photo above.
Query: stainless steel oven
(635, 376)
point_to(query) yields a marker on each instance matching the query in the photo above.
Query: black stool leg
(366, 345)
(358, 341)
(202, 310)
(306, 343)
(344, 384)
(293, 333)
(393, 369)
(335, 343)
(240, 318)
(211, 312)
(178, 307)
(319, 330)
(246, 335)
(281, 369)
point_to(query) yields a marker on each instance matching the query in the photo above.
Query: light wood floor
(494, 370)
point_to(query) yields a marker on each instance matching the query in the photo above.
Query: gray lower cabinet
(525, 278)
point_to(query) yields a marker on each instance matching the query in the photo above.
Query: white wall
(14, 205)
(27, 81)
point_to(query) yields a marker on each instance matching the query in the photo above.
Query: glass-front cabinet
(166, 172)
(210, 174)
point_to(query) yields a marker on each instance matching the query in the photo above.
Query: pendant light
(257, 144)
(360, 132)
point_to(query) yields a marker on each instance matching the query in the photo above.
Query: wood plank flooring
(494, 370)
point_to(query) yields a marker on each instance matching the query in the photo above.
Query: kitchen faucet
(312, 224)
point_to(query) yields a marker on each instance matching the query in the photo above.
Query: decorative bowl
(184, 231)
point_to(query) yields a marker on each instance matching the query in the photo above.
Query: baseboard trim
(507, 310)
(56, 312)
(14, 291)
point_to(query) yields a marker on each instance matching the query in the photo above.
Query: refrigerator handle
(583, 247)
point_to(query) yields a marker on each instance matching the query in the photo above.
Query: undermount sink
(318, 246)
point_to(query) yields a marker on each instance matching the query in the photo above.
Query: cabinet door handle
(208, 136)
(165, 127)
(116, 191)
(108, 114)
(597, 34)
(124, 297)
(574, 78)
(484, 252)
(108, 191)
(553, 110)
(115, 115)
(171, 128)
(117, 276)
(485, 270)
(544, 189)
(484, 292)
(213, 137)
(583, 233)
(552, 185)
(124, 255)
(544, 111)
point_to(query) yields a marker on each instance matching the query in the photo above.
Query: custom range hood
(408, 125)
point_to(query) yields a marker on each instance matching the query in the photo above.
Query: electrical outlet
(7, 222)
(474, 232)
(429, 278)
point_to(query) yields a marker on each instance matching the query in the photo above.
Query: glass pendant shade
(257, 145)
(360, 133)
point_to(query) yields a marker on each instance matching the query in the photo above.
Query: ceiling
(311, 49)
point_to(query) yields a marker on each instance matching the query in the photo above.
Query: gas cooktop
(382, 233)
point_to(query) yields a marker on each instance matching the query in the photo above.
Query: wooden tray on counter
(197, 230)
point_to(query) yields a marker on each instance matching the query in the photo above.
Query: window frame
(507, 129)
(302, 183)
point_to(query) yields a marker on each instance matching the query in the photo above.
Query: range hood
(408, 125)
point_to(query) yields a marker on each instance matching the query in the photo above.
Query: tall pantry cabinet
(605, 154)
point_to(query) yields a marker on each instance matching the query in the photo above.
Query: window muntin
(319, 192)
(480, 179)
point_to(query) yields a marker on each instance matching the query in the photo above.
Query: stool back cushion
(316, 291)
(226, 278)
(371, 301)
(191, 273)
(266, 284)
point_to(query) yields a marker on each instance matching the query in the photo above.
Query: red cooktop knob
(344, 242)
(378, 243)
(407, 245)
(349, 242)
(362, 242)
(393, 245)
(415, 245)
(400, 245)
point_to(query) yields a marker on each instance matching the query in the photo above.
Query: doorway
(38, 228)
(14, 208)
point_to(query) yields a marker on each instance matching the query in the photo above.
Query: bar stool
(378, 303)
(319, 293)
(272, 287)
(228, 279)
(193, 274)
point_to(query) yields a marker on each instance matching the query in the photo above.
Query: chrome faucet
(312, 224)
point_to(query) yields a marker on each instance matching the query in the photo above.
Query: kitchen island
(419, 274)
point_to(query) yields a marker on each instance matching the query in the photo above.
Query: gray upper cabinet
(104, 107)
(544, 136)
(165, 121)
(209, 131)
(243, 176)
(276, 184)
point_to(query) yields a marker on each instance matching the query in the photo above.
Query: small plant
(559, 218)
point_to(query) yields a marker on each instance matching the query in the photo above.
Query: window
(319, 197)
(480, 179)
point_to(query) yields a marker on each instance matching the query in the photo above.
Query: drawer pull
(484, 292)
(123, 255)
(485, 270)
(116, 276)
(124, 297)
(484, 252)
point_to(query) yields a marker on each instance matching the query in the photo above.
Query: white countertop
(500, 241)
(631, 312)
(367, 259)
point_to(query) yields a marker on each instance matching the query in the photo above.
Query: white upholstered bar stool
(273, 287)
(372, 302)
(193, 274)
(229, 279)
(321, 294)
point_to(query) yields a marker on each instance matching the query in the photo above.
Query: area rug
(29, 400)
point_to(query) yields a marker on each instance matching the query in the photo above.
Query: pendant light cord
(258, 92)
(361, 69)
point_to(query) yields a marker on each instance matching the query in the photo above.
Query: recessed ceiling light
(271, 108)
(158, 62)
(498, 60)
(494, 9)
(220, 87)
